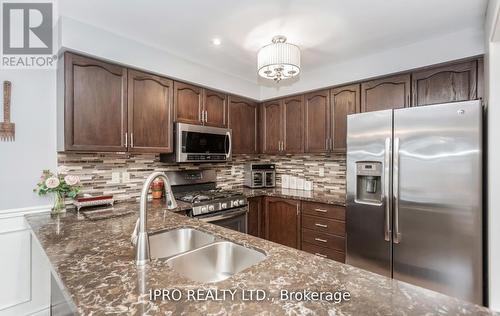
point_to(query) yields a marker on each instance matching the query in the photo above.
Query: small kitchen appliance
(260, 175)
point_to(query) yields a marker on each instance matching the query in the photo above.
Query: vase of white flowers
(61, 184)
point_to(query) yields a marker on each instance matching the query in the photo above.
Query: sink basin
(164, 244)
(215, 262)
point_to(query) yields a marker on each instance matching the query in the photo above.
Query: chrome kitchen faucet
(140, 235)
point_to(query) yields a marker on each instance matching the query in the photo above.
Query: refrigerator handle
(387, 200)
(395, 190)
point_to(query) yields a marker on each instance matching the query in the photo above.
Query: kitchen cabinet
(317, 121)
(323, 230)
(293, 125)
(150, 102)
(271, 127)
(243, 121)
(188, 103)
(94, 106)
(344, 101)
(282, 221)
(457, 82)
(386, 93)
(215, 108)
(255, 217)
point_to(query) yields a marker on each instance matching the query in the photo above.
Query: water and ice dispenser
(369, 182)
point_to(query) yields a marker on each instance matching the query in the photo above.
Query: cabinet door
(317, 121)
(344, 101)
(282, 221)
(451, 83)
(271, 127)
(243, 118)
(293, 124)
(188, 102)
(149, 113)
(95, 105)
(215, 107)
(386, 93)
(255, 217)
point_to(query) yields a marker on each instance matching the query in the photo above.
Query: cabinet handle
(321, 225)
(200, 116)
(206, 116)
(131, 139)
(320, 210)
(331, 144)
(298, 212)
(326, 143)
(321, 240)
(126, 139)
(321, 255)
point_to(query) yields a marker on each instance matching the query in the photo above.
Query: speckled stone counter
(313, 196)
(93, 261)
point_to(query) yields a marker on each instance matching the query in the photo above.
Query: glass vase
(59, 204)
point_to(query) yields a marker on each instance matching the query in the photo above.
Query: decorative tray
(93, 201)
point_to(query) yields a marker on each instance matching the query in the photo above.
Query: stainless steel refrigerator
(414, 196)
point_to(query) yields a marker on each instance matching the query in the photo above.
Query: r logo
(27, 28)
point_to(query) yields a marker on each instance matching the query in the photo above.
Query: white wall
(33, 112)
(492, 80)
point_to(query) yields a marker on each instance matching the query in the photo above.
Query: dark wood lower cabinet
(283, 221)
(255, 217)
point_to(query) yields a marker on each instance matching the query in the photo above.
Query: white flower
(62, 170)
(52, 182)
(71, 180)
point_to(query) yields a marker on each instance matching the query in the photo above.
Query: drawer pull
(321, 225)
(319, 239)
(321, 255)
(320, 210)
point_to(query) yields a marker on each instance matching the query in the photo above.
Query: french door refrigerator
(414, 196)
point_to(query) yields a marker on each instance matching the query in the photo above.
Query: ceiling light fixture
(279, 60)
(216, 41)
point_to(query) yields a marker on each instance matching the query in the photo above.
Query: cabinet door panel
(386, 93)
(271, 127)
(282, 221)
(187, 103)
(215, 104)
(445, 84)
(293, 124)
(150, 113)
(254, 216)
(243, 118)
(95, 105)
(317, 121)
(344, 101)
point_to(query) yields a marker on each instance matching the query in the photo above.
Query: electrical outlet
(321, 172)
(125, 177)
(233, 171)
(115, 177)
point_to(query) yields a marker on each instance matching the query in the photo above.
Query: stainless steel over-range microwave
(195, 143)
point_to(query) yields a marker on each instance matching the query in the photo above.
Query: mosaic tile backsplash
(122, 174)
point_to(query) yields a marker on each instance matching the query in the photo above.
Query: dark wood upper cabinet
(150, 103)
(386, 93)
(95, 105)
(215, 108)
(317, 121)
(243, 121)
(188, 103)
(272, 117)
(450, 83)
(344, 101)
(255, 217)
(293, 125)
(283, 221)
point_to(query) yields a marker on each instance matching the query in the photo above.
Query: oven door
(235, 219)
(202, 143)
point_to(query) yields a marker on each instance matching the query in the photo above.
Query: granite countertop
(94, 263)
(322, 197)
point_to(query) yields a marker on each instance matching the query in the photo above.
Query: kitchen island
(93, 263)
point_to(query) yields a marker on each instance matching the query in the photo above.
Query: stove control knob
(223, 205)
(235, 203)
(242, 202)
(211, 208)
(203, 209)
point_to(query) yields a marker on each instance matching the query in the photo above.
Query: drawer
(323, 240)
(324, 252)
(325, 225)
(324, 210)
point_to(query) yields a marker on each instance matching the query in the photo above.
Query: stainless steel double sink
(200, 256)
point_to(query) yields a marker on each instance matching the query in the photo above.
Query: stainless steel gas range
(210, 204)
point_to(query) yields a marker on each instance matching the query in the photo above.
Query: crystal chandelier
(279, 60)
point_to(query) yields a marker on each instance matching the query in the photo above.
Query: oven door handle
(228, 152)
(210, 219)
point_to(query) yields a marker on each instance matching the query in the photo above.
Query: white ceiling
(328, 31)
